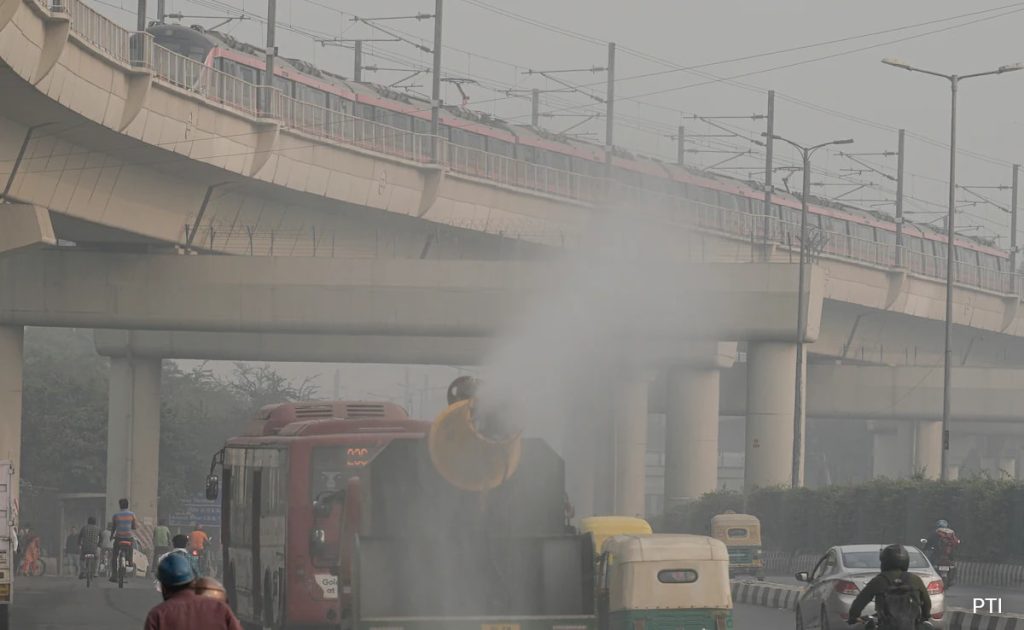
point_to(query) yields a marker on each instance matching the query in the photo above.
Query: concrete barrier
(768, 595)
(966, 620)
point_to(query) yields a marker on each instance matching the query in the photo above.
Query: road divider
(764, 594)
(966, 620)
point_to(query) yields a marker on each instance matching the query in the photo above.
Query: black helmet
(894, 557)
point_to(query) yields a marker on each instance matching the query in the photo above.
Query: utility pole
(609, 130)
(161, 10)
(435, 95)
(141, 23)
(768, 170)
(535, 108)
(681, 146)
(357, 73)
(1013, 224)
(899, 201)
(268, 74)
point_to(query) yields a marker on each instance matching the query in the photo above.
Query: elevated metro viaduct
(113, 143)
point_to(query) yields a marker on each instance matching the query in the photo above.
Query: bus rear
(287, 524)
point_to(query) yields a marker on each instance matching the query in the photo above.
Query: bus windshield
(333, 466)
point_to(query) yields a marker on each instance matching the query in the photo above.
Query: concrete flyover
(423, 301)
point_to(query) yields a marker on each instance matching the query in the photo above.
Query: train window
(727, 201)
(988, 261)
(966, 256)
(556, 160)
(703, 195)
(832, 225)
(885, 236)
(393, 119)
(189, 43)
(243, 72)
(338, 104)
(626, 176)
(527, 153)
(500, 147)
(362, 110)
(311, 95)
(862, 232)
(287, 86)
(420, 126)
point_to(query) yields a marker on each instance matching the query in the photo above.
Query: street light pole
(801, 309)
(947, 370)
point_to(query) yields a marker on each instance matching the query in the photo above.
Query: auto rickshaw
(664, 581)
(741, 534)
(603, 527)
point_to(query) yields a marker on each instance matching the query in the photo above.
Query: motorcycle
(871, 622)
(946, 570)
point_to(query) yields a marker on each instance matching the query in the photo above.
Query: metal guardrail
(138, 50)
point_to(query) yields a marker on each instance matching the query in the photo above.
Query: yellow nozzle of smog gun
(465, 457)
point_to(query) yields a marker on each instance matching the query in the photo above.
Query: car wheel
(799, 619)
(824, 618)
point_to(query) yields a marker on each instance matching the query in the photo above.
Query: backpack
(900, 607)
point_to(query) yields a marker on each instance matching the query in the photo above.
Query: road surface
(52, 603)
(65, 603)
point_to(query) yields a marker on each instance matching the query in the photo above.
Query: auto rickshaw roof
(661, 547)
(735, 519)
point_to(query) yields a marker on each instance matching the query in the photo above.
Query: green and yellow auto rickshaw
(664, 581)
(741, 534)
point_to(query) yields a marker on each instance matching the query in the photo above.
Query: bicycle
(122, 562)
(90, 568)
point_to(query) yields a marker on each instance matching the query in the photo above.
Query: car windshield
(869, 559)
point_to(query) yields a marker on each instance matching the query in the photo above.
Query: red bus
(284, 513)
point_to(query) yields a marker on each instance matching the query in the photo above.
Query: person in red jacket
(183, 608)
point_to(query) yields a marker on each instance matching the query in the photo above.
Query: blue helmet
(941, 524)
(174, 570)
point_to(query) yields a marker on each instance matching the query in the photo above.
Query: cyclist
(89, 542)
(197, 541)
(122, 528)
(161, 541)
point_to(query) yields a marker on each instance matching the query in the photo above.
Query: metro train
(848, 228)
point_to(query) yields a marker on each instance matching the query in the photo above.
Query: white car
(840, 575)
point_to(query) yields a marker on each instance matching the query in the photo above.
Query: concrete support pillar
(629, 415)
(927, 449)
(133, 435)
(691, 434)
(11, 351)
(771, 385)
(893, 449)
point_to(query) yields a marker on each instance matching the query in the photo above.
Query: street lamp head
(845, 141)
(1011, 67)
(898, 63)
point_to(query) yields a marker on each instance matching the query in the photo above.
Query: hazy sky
(495, 50)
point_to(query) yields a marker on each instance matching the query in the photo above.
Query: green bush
(988, 514)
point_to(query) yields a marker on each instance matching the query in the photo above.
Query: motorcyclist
(894, 564)
(942, 543)
(183, 608)
(122, 531)
(89, 542)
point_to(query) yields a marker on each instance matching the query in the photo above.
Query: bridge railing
(347, 129)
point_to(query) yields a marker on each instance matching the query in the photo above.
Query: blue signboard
(197, 510)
